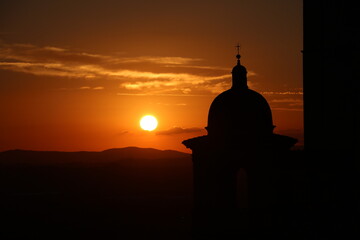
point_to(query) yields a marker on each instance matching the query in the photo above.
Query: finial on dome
(239, 79)
(238, 53)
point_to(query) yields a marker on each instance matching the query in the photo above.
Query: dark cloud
(122, 133)
(179, 130)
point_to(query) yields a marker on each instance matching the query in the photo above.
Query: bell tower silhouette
(240, 135)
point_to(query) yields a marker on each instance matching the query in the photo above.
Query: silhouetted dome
(240, 114)
(241, 117)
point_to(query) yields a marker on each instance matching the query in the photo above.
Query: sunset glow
(79, 75)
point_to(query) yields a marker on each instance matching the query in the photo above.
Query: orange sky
(79, 76)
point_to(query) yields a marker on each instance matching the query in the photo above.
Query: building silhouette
(326, 172)
(240, 135)
(331, 76)
(332, 116)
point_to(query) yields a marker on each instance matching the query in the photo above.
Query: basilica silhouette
(240, 135)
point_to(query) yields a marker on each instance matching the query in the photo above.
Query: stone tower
(240, 135)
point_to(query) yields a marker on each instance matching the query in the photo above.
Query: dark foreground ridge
(126, 193)
(135, 193)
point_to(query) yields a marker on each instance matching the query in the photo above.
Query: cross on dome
(238, 53)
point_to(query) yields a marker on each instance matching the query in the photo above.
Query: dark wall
(331, 75)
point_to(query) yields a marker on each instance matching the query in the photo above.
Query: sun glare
(148, 123)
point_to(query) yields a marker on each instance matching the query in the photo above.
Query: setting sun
(148, 123)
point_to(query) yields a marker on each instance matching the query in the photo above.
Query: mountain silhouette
(28, 157)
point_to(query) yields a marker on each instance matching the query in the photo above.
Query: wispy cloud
(85, 87)
(91, 88)
(137, 75)
(56, 49)
(160, 60)
(61, 62)
(98, 88)
(283, 93)
(166, 79)
(287, 100)
(284, 102)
